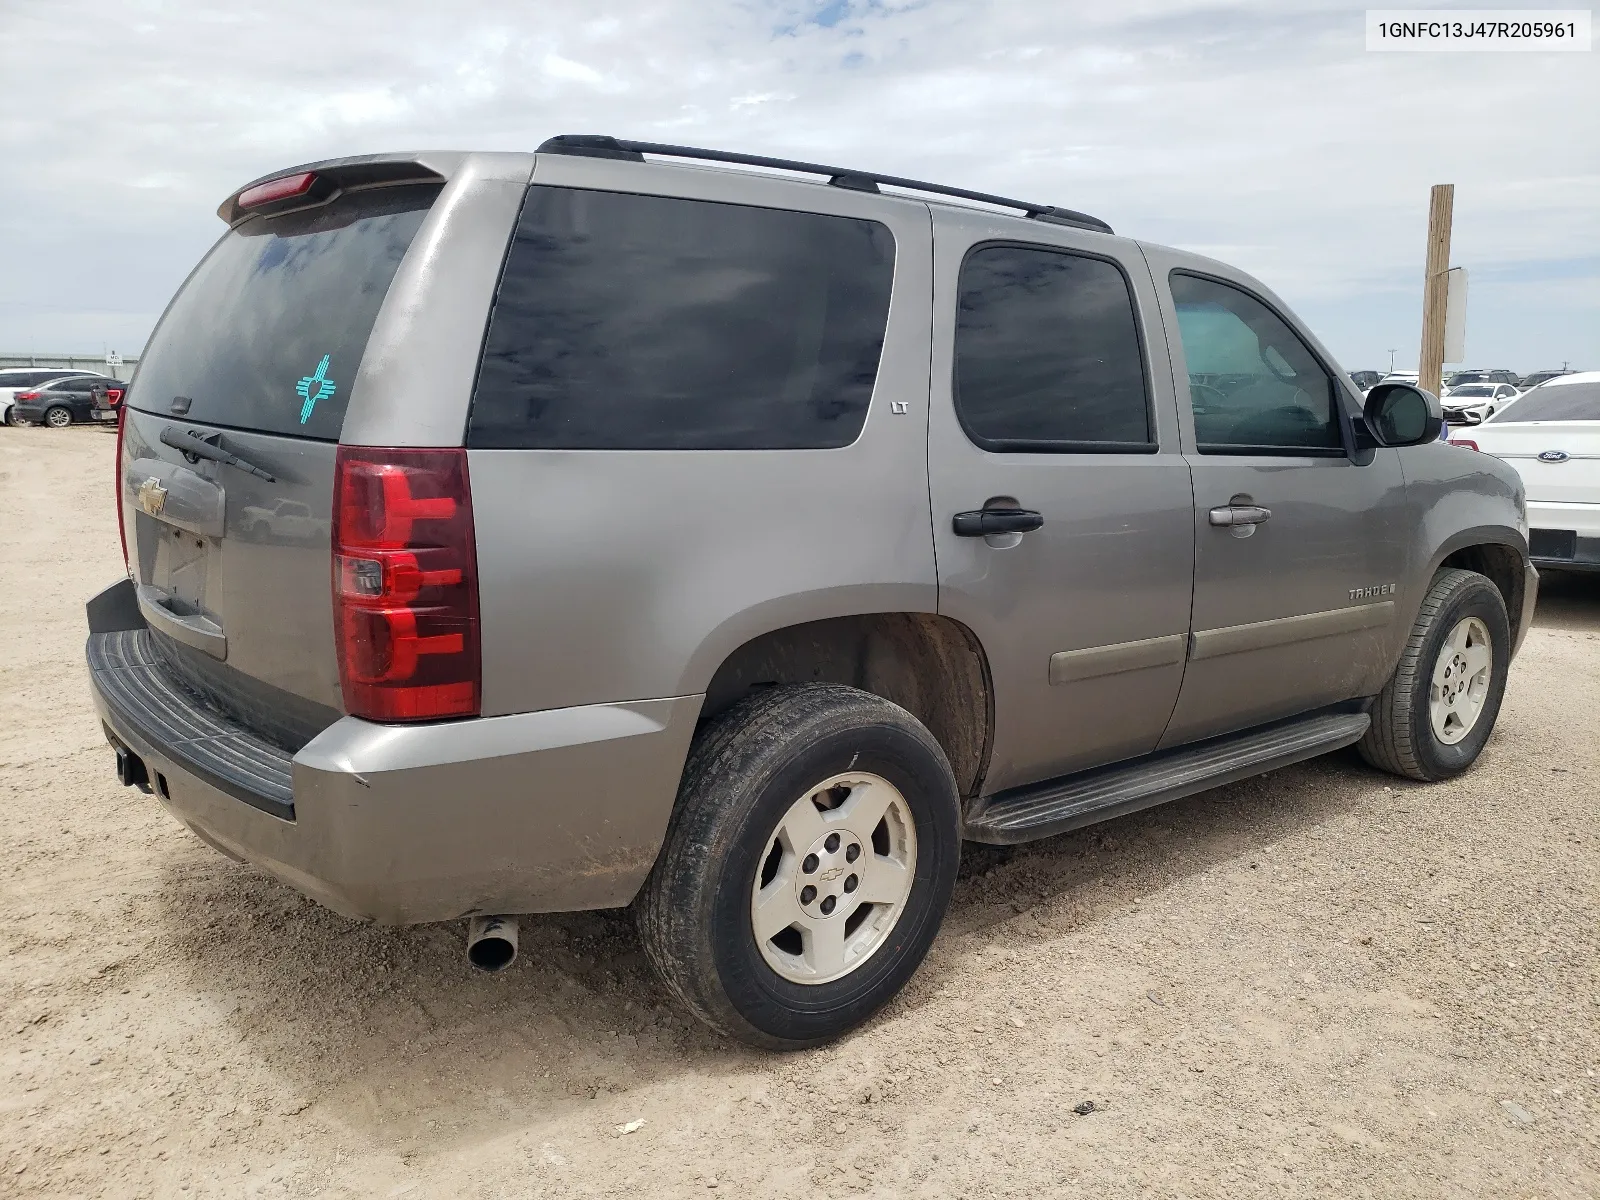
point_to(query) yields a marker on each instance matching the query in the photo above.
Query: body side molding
(1070, 666)
(1261, 635)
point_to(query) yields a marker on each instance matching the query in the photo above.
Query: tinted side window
(652, 323)
(1047, 355)
(1253, 384)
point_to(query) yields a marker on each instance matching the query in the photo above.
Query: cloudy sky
(1263, 134)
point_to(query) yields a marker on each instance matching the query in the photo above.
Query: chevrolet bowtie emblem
(152, 496)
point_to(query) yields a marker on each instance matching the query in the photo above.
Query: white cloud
(564, 68)
(1264, 132)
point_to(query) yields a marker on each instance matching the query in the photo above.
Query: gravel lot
(1321, 982)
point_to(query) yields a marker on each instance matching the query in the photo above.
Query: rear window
(632, 322)
(1554, 402)
(268, 332)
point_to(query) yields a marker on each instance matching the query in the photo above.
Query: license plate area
(1553, 543)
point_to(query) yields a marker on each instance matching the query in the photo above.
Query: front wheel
(58, 417)
(808, 866)
(1438, 709)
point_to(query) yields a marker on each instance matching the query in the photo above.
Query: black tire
(58, 417)
(1402, 740)
(745, 769)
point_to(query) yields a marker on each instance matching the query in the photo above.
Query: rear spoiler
(333, 179)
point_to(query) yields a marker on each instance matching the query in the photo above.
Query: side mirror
(1398, 414)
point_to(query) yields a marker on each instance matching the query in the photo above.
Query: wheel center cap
(830, 871)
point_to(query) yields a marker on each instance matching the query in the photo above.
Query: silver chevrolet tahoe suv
(731, 538)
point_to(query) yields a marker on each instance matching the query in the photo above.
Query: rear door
(257, 357)
(1300, 542)
(1052, 394)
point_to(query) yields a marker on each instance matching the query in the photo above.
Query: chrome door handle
(1240, 514)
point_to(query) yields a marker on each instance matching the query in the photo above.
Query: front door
(1299, 541)
(1061, 501)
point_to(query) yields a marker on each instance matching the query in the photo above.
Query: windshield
(1562, 402)
(1472, 389)
(268, 332)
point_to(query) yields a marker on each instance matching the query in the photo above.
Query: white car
(20, 379)
(1551, 435)
(1473, 403)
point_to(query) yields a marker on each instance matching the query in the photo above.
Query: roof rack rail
(593, 145)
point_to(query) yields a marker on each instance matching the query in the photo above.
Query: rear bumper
(1564, 535)
(1582, 519)
(537, 812)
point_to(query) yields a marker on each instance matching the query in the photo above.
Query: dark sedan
(61, 402)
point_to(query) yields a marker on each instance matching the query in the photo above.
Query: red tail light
(25, 395)
(122, 530)
(114, 396)
(1467, 442)
(405, 584)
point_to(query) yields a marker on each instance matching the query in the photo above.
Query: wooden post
(1435, 285)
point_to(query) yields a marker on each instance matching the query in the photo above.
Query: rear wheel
(809, 863)
(58, 417)
(1438, 709)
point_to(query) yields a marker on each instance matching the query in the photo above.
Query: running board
(1058, 805)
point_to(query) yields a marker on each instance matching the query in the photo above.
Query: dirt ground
(1322, 982)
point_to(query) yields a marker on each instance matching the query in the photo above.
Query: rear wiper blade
(196, 445)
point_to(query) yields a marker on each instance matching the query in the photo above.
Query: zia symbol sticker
(313, 388)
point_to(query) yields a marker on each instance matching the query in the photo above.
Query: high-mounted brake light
(285, 188)
(405, 584)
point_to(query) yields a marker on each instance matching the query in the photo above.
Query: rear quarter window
(268, 332)
(634, 322)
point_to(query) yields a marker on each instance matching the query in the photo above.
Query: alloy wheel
(835, 878)
(1461, 677)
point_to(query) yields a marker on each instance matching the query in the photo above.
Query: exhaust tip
(492, 942)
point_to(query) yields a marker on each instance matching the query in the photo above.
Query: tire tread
(732, 750)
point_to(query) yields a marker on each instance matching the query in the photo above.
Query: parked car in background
(1471, 403)
(105, 401)
(61, 402)
(1538, 377)
(1365, 379)
(1552, 437)
(1499, 375)
(1410, 377)
(20, 379)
